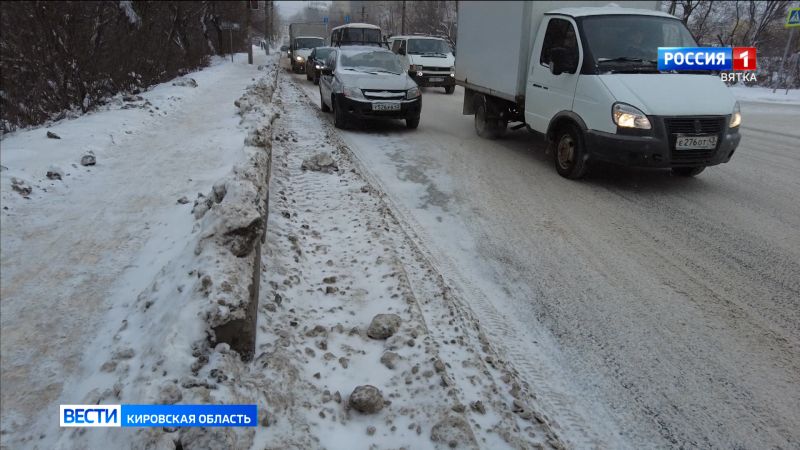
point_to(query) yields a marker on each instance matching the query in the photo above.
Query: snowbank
(765, 95)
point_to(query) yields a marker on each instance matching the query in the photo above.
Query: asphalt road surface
(645, 310)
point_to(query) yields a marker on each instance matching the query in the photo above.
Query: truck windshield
(632, 41)
(308, 42)
(428, 46)
(382, 61)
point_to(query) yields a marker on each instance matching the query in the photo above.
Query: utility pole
(783, 61)
(267, 37)
(363, 16)
(247, 33)
(403, 20)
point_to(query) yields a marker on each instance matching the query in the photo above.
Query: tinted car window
(422, 46)
(382, 60)
(560, 34)
(361, 35)
(322, 53)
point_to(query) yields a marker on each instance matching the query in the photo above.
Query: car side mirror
(326, 70)
(563, 60)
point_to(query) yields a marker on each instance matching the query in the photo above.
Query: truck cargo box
(495, 40)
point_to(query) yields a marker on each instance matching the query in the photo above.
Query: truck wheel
(449, 89)
(570, 153)
(339, 115)
(687, 171)
(322, 104)
(487, 128)
(412, 123)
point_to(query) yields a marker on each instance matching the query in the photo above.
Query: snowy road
(647, 310)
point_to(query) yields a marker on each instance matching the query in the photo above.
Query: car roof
(608, 11)
(416, 36)
(358, 25)
(362, 48)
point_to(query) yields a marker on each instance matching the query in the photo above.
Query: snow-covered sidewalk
(79, 250)
(337, 264)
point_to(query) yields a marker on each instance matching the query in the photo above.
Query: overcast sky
(288, 7)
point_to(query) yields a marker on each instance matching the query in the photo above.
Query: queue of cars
(362, 76)
(584, 76)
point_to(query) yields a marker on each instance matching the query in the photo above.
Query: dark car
(359, 82)
(315, 61)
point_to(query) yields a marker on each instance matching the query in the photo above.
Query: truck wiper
(627, 59)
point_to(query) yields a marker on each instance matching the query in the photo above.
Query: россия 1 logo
(710, 58)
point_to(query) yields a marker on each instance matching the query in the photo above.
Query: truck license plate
(435, 79)
(695, 142)
(386, 106)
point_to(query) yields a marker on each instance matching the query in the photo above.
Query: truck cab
(588, 81)
(429, 60)
(301, 48)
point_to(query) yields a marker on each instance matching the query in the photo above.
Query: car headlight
(452, 71)
(299, 58)
(317, 66)
(627, 116)
(412, 93)
(736, 117)
(354, 93)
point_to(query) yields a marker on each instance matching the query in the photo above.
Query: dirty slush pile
(360, 342)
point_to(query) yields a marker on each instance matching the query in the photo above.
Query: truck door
(548, 93)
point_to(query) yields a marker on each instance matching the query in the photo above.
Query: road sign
(793, 19)
(346, 19)
(229, 26)
(325, 19)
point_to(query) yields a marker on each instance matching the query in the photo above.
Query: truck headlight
(736, 117)
(354, 93)
(412, 93)
(299, 59)
(627, 116)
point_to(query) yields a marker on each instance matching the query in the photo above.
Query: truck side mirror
(563, 60)
(401, 51)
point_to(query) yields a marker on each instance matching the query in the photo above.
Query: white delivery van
(429, 60)
(586, 77)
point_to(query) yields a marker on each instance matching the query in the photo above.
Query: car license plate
(386, 106)
(695, 142)
(435, 79)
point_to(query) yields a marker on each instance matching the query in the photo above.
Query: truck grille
(436, 69)
(693, 125)
(384, 95)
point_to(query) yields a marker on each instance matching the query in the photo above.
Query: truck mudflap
(657, 147)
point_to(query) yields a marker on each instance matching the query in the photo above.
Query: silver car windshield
(372, 62)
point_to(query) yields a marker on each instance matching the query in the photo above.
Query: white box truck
(304, 37)
(584, 74)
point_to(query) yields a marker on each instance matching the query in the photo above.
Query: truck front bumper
(657, 147)
(433, 79)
